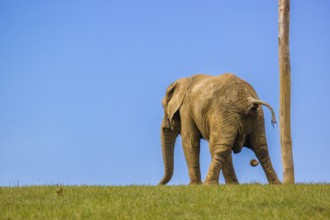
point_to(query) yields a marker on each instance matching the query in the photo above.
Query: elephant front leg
(229, 172)
(191, 147)
(220, 155)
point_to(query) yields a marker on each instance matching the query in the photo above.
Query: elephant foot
(195, 183)
(210, 183)
(276, 182)
(232, 183)
(212, 180)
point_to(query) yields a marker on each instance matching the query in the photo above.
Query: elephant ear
(175, 93)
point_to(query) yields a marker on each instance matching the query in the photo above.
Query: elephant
(225, 111)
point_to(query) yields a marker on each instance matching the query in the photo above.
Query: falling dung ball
(254, 163)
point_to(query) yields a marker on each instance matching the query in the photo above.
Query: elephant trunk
(168, 138)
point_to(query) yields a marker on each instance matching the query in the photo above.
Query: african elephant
(224, 110)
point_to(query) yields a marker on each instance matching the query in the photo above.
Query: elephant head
(173, 99)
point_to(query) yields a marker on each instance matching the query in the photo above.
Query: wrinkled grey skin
(224, 110)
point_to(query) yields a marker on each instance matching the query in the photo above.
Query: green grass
(303, 201)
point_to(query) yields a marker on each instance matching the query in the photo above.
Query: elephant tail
(254, 103)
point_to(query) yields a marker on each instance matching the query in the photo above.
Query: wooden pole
(285, 91)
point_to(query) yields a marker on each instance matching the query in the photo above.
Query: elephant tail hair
(254, 103)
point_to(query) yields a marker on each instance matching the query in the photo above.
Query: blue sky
(81, 84)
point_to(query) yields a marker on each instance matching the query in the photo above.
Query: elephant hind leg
(219, 157)
(222, 139)
(263, 157)
(260, 148)
(229, 172)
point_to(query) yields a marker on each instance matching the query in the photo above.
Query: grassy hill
(303, 201)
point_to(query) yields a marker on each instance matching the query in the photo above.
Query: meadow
(246, 201)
